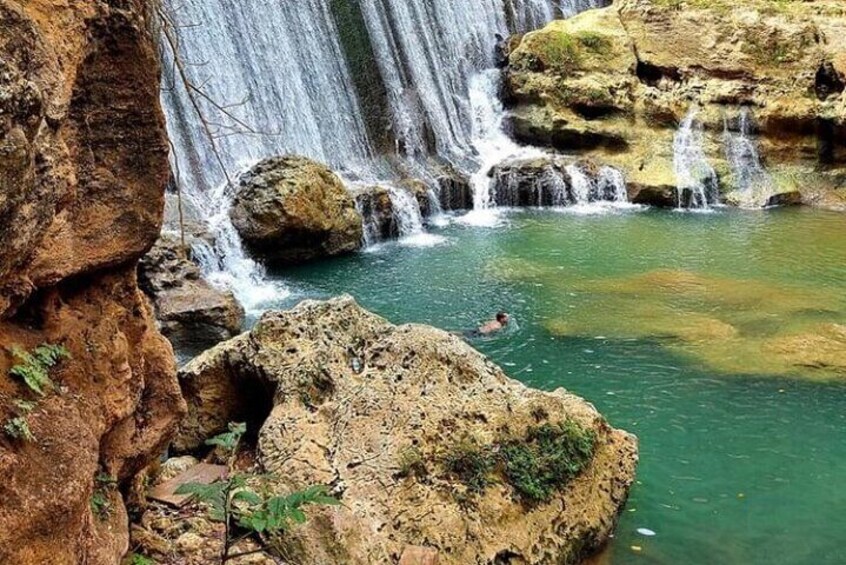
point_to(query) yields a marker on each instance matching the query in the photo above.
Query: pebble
(645, 532)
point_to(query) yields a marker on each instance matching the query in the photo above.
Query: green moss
(471, 464)
(537, 465)
(596, 43)
(547, 459)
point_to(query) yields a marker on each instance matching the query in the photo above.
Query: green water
(712, 337)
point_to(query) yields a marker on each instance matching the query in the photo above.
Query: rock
(377, 212)
(415, 397)
(793, 198)
(83, 168)
(290, 210)
(659, 196)
(193, 314)
(615, 83)
(173, 467)
(454, 190)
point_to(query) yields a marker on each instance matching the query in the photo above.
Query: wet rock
(377, 212)
(659, 196)
(793, 198)
(290, 210)
(192, 314)
(341, 397)
(454, 190)
(615, 83)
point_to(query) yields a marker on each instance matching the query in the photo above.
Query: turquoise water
(713, 337)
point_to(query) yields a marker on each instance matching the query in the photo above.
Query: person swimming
(493, 326)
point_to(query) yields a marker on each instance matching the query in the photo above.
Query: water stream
(697, 184)
(751, 180)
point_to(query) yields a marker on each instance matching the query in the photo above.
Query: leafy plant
(100, 500)
(138, 559)
(17, 427)
(246, 511)
(34, 367)
(547, 459)
(537, 465)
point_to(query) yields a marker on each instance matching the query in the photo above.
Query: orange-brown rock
(83, 165)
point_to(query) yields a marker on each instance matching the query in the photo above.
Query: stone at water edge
(192, 314)
(419, 390)
(291, 209)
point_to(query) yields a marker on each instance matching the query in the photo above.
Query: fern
(34, 367)
(18, 428)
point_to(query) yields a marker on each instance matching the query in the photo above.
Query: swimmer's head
(503, 318)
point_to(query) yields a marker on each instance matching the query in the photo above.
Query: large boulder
(430, 447)
(291, 209)
(193, 314)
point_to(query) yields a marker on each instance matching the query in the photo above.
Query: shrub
(18, 428)
(239, 506)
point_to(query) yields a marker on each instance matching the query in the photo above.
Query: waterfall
(696, 180)
(367, 87)
(751, 180)
(581, 186)
(611, 185)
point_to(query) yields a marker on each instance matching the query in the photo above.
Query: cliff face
(83, 165)
(617, 82)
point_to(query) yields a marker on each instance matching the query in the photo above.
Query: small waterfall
(547, 182)
(406, 212)
(751, 180)
(696, 180)
(581, 186)
(612, 185)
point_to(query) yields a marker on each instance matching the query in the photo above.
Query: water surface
(713, 337)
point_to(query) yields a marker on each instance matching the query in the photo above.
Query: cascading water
(696, 179)
(344, 82)
(612, 185)
(752, 182)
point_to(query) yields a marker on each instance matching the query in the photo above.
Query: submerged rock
(411, 428)
(291, 209)
(192, 314)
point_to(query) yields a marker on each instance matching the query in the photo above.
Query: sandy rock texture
(339, 396)
(291, 209)
(616, 83)
(83, 165)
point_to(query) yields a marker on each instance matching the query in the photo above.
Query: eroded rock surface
(83, 166)
(193, 314)
(615, 83)
(291, 209)
(374, 410)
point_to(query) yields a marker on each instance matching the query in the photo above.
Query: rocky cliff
(83, 165)
(616, 83)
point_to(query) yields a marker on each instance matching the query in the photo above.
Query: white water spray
(696, 179)
(753, 183)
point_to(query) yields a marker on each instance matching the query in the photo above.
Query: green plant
(34, 367)
(247, 511)
(100, 500)
(471, 463)
(138, 559)
(547, 459)
(17, 427)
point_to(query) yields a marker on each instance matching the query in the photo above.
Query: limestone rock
(193, 314)
(341, 397)
(614, 83)
(290, 209)
(83, 167)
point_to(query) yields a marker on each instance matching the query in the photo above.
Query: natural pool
(716, 338)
